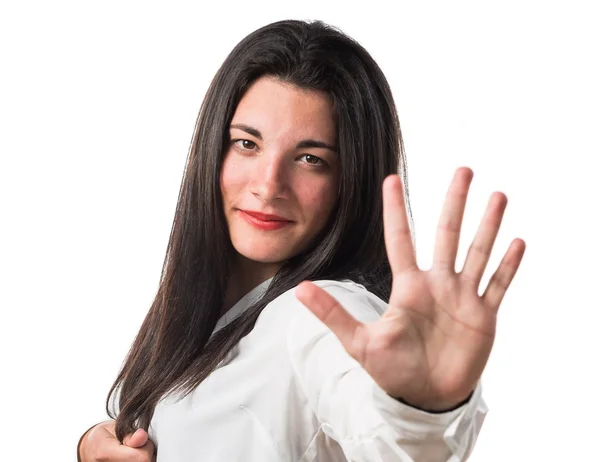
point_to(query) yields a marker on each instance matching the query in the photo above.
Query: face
(280, 173)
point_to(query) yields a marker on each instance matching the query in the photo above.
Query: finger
(136, 439)
(501, 279)
(331, 313)
(480, 250)
(108, 447)
(398, 239)
(122, 453)
(450, 223)
(149, 450)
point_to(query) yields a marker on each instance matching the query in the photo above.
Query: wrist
(436, 408)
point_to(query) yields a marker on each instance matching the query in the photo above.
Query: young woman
(240, 358)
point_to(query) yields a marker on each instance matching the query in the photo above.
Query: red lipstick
(264, 221)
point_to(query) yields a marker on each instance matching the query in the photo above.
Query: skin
(100, 444)
(430, 347)
(268, 174)
(432, 344)
(264, 170)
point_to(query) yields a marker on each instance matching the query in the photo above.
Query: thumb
(331, 313)
(136, 439)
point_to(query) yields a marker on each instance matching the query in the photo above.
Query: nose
(270, 178)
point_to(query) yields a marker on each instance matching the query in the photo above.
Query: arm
(430, 346)
(357, 413)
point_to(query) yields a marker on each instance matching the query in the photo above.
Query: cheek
(317, 198)
(233, 178)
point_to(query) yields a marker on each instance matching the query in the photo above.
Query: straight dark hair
(174, 350)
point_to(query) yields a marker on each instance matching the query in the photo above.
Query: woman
(238, 358)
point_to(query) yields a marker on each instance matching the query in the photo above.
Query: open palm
(430, 347)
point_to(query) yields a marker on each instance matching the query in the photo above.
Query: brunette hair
(173, 349)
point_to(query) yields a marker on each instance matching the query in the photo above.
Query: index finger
(398, 238)
(124, 453)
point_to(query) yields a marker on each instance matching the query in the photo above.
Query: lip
(264, 216)
(264, 221)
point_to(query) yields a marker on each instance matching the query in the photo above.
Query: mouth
(264, 221)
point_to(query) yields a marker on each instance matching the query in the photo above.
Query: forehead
(277, 108)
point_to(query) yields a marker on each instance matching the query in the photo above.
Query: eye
(245, 145)
(313, 160)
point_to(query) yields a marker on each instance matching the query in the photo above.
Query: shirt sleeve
(352, 409)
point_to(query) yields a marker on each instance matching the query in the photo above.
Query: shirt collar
(242, 305)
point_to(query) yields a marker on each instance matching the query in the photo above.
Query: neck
(245, 276)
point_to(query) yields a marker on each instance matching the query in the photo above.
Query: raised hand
(430, 347)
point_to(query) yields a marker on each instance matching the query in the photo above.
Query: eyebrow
(301, 145)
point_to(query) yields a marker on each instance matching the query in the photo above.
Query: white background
(97, 106)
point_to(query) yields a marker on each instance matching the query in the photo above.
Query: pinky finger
(501, 279)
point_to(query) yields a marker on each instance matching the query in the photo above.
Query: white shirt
(290, 392)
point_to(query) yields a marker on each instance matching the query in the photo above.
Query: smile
(265, 225)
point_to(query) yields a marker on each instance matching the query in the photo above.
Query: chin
(267, 255)
(266, 258)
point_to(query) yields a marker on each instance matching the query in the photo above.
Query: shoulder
(287, 319)
(354, 298)
(315, 353)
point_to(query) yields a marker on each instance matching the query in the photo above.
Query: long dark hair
(174, 349)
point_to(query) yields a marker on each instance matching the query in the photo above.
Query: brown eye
(313, 160)
(246, 145)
